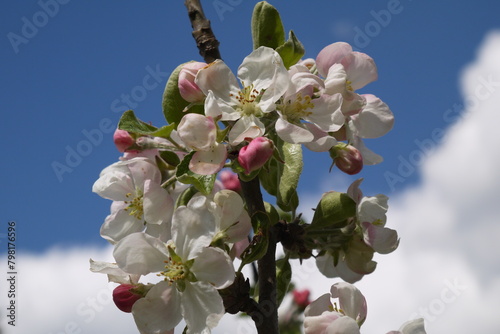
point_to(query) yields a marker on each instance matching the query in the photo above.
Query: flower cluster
(177, 230)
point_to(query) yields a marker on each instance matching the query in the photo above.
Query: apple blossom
(191, 272)
(254, 155)
(300, 105)
(188, 89)
(139, 199)
(323, 317)
(264, 79)
(199, 133)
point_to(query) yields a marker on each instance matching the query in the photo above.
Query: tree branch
(267, 321)
(265, 313)
(205, 39)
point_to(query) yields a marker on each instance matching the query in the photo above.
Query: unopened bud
(123, 140)
(301, 298)
(256, 154)
(124, 297)
(230, 181)
(188, 89)
(347, 158)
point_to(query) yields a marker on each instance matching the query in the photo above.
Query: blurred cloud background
(69, 69)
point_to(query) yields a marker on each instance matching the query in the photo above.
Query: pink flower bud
(230, 181)
(255, 154)
(348, 159)
(187, 87)
(124, 298)
(122, 140)
(301, 298)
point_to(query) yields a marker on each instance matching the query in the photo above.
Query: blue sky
(64, 81)
(67, 74)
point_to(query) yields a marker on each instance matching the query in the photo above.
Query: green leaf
(173, 104)
(129, 122)
(283, 278)
(291, 51)
(170, 158)
(289, 180)
(267, 28)
(269, 176)
(256, 250)
(333, 209)
(185, 196)
(203, 183)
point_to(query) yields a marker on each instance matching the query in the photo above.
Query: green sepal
(333, 209)
(129, 122)
(269, 176)
(203, 183)
(170, 158)
(185, 196)
(267, 28)
(283, 278)
(260, 220)
(256, 250)
(173, 255)
(291, 51)
(287, 197)
(272, 213)
(173, 104)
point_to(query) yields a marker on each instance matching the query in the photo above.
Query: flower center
(174, 270)
(135, 207)
(297, 109)
(248, 98)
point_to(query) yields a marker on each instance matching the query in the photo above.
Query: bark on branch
(205, 39)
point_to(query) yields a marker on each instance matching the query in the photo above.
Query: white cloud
(446, 268)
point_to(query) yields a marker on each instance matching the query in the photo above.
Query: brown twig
(265, 312)
(205, 39)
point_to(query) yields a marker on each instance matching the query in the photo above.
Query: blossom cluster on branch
(182, 237)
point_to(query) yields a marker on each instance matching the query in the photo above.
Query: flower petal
(197, 131)
(214, 266)
(246, 127)
(159, 311)
(319, 323)
(322, 141)
(210, 161)
(343, 325)
(292, 133)
(119, 224)
(192, 228)
(325, 266)
(373, 209)
(327, 113)
(360, 68)
(351, 300)
(157, 203)
(139, 253)
(382, 239)
(218, 78)
(201, 307)
(374, 120)
(264, 69)
(331, 54)
(319, 306)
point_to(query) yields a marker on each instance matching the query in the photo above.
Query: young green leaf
(267, 28)
(291, 51)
